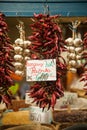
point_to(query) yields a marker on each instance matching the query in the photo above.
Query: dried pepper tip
(34, 56)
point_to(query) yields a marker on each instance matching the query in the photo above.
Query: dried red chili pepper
(84, 56)
(6, 99)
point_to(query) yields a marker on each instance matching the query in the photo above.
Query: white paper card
(69, 99)
(41, 70)
(37, 115)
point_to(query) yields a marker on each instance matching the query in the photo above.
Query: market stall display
(39, 59)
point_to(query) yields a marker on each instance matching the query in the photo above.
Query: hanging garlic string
(21, 51)
(72, 54)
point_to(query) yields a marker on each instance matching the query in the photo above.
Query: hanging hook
(46, 8)
(75, 24)
(73, 27)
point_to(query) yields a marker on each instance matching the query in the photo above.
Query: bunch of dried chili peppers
(6, 66)
(84, 57)
(47, 43)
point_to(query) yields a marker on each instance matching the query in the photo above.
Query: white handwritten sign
(41, 70)
(69, 99)
(37, 115)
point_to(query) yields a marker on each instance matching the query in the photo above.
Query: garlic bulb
(26, 52)
(72, 56)
(18, 49)
(77, 42)
(26, 58)
(78, 57)
(18, 58)
(72, 63)
(18, 72)
(26, 44)
(73, 70)
(78, 49)
(19, 42)
(69, 41)
(18, 65)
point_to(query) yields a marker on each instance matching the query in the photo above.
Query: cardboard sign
(41, 70)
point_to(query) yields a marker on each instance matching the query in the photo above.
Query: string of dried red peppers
(5, 62)
(47, 43)
(84, 56)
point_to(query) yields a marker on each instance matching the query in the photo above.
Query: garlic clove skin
(77, 42)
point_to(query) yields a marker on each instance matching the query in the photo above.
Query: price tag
(41, 70)
(37, 115)
(69, 99)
